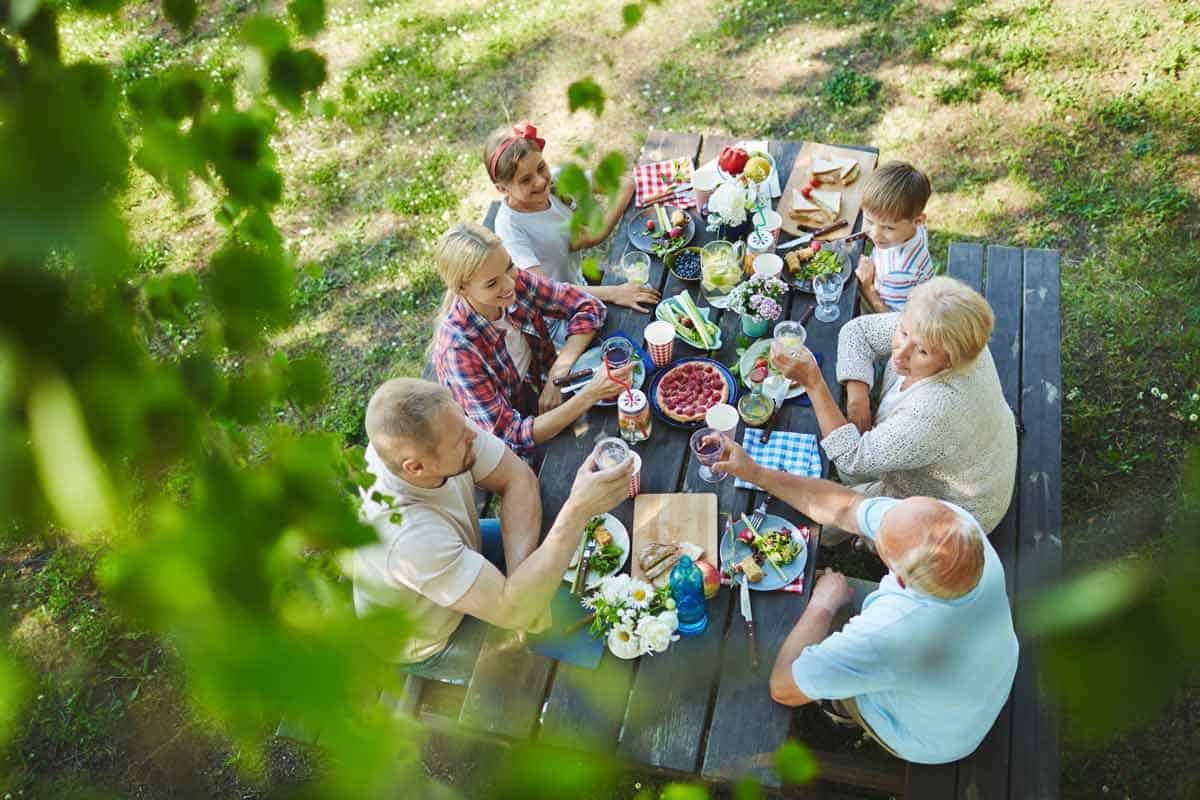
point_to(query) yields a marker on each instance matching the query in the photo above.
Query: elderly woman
(942, 428)
(492, 346)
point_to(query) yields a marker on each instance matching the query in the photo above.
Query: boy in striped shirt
(893, 208)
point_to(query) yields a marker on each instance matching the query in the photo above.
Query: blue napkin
(577, 648)
(789, 451)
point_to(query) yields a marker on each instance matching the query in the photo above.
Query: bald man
(927, 664)
(435, 559)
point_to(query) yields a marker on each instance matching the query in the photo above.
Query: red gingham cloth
(654, 179)
(797, 585)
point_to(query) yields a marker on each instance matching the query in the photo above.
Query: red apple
(712, 578)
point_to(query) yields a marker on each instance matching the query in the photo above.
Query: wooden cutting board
(681, 517)
(851, 194)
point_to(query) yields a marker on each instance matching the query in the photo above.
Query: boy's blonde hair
(896, 191)
(506, 166)
(461, 250)
(948, 314)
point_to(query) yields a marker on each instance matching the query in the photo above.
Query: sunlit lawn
(1072, 125)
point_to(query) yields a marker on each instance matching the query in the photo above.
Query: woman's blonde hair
(458, 254)
(947, 313)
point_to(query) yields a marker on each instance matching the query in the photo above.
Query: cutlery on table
(748, 616)
(666, 195)
(766, 428)
(808, 237)
(574, 376)
(759, 516)
(581, 571)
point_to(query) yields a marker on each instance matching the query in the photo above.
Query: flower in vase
(670, 618)
(729, 204)
(615, 589)
(624, 643)
(640, 593)
(654, 633)
(768, 309)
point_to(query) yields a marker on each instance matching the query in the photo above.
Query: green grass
(1076, 128)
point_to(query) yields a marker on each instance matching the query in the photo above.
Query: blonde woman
(492, 347)
(942, 428)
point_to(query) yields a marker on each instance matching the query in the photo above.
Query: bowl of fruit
(684, 264)
(661, 230)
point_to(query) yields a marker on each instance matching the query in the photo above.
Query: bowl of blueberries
(684, 263)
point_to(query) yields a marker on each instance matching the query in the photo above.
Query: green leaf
(309, 15)
(293, 73)
(14, 688)
(631, 14)
(573, 181)
(268, 35)
(21, 11)
(257, 228)
(181, 13)
(307, 381)
(72, 476)
(794, 763)
(252, 290)
(609, 172)
(585, 93)
(684, 791)
(747, 789)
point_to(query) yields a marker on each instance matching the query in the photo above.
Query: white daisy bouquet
(635, 617)
(730, 204)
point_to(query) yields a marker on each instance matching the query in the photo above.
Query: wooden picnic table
(697, 709)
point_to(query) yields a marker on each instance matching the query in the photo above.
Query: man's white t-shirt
(427, 560)
(541, 239)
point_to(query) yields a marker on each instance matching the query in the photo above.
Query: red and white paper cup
(660, 339)
(635, 480)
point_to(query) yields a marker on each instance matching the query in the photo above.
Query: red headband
(523, 130)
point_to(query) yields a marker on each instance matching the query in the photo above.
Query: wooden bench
(1019, 759)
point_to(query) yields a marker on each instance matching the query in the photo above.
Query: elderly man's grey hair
(403, 410)
(946, 559)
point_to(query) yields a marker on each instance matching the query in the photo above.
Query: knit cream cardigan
(952, 436)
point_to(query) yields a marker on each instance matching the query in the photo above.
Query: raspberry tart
(687, 391)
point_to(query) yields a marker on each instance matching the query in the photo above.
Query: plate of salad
(779, 547)
(691, 322)
(755, 365)
(803, 264)
(660, 230)
(612, 550)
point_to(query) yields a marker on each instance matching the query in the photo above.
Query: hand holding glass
(635, 266)
(708, 444)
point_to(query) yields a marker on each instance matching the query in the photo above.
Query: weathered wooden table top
(697, 709)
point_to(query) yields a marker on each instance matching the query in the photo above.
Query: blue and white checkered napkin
(797, 453)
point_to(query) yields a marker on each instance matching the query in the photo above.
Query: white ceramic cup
(722, 417)
(768, 265)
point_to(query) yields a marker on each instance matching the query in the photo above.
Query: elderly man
(434, 560)
(927, 664)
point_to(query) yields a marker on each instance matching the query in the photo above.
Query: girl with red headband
(534, 224)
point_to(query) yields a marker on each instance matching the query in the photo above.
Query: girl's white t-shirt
(541, 239)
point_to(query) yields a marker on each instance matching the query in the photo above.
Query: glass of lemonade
(789, 337)
(720, 271)
(635, 266)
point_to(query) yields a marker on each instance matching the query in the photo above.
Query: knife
(574, 376)
(749, 617)
(581, 570)
(808, 237)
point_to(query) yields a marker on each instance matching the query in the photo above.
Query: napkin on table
(656, 177)
(797, 453)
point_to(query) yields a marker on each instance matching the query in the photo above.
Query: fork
(759, 516)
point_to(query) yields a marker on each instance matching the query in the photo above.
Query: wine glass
(616, 352)
(610, 451)
(707, 445)
(828, 289)
(789, 338)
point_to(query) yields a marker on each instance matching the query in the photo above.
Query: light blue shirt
(929, 676)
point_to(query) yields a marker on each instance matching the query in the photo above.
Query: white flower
(729, 202)
(670, 618)
(640, 593)
(655, 634)
(1164, 396)
(623, 642)
(615, 589)
(1154, 391)
(1192, 418)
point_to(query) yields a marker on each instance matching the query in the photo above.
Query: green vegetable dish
(825, 262)
(608, 555)
(778, 546)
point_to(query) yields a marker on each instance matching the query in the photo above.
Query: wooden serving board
(680, 517)
(851, 195)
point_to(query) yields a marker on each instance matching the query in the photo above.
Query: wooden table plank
(965, 262)
(586, 707)
(1035, 755)
(748, 726)
(984, 774)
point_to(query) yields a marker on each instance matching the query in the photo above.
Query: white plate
(620, 539)
(679, 312)
(591, 359)
(752, 354)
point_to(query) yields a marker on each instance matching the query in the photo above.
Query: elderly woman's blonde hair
(947, 313)
(947, 560)
(458, 254)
